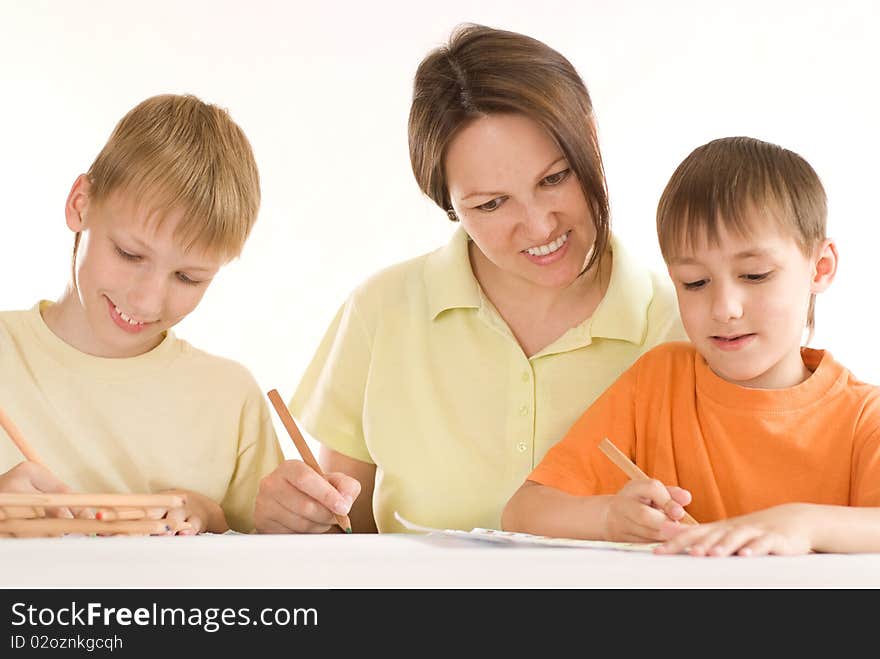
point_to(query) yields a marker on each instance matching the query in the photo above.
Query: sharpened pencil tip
(348, 530)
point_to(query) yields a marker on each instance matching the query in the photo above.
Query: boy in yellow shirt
(108, 397)
(774, 448)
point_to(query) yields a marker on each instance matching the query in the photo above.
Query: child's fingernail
(341, 508)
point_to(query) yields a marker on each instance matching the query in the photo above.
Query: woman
(443, 380)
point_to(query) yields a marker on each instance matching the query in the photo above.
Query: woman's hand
(296, 499)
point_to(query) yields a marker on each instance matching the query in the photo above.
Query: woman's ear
(77, 202)
(824, 266)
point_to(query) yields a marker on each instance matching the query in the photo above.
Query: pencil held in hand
(628, 467)
(301, 446)
(18, 439)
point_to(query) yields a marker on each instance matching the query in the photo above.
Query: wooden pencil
(628, 467)
(21, 512)
(108, 514)
(18, 439)
(93, 500)
(56, 526)
(301, 446)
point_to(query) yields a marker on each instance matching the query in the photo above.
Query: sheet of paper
(510, 538)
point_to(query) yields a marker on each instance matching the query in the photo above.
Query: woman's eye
(491, 205)
(694, 285)
(557, 178)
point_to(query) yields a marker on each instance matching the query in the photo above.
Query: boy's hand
(642, 509)
(199, 514)
(296, 499)
(33, 478)
(778, 530)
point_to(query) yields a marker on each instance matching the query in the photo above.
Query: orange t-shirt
(737, 450)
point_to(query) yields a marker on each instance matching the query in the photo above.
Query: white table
(396, 561)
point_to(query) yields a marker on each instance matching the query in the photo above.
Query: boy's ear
(824, 266)
(77, 201)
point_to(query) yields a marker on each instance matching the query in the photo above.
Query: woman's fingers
(295, 498)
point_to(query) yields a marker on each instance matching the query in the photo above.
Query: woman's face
(516, 197)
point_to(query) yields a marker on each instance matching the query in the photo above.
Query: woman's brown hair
(481, 71)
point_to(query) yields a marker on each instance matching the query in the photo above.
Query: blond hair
(482, 70)
(177, 152)
(722, 183)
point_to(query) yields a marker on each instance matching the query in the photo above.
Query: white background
(322, 90)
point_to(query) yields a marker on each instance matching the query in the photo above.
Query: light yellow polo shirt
(420, 375)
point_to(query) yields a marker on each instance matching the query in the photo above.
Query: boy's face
(134, 281)
(744, 302)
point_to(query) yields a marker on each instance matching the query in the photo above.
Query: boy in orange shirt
(774, 448)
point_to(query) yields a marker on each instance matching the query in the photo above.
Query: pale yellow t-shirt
(174, 417)
(419, 374)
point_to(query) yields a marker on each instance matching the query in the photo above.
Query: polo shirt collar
(449, 279)
(622, 314)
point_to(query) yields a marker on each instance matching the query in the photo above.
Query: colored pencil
(77, 500)
(126, 519)
(109, 514)
(18, 439)
(302, 447)
(628, 467)
(56, 526)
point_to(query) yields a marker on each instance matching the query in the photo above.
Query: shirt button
(521, 447)
(524, 410)
(525, 376)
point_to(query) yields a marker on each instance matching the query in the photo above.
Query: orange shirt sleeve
(575, 464)
(865, 478)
